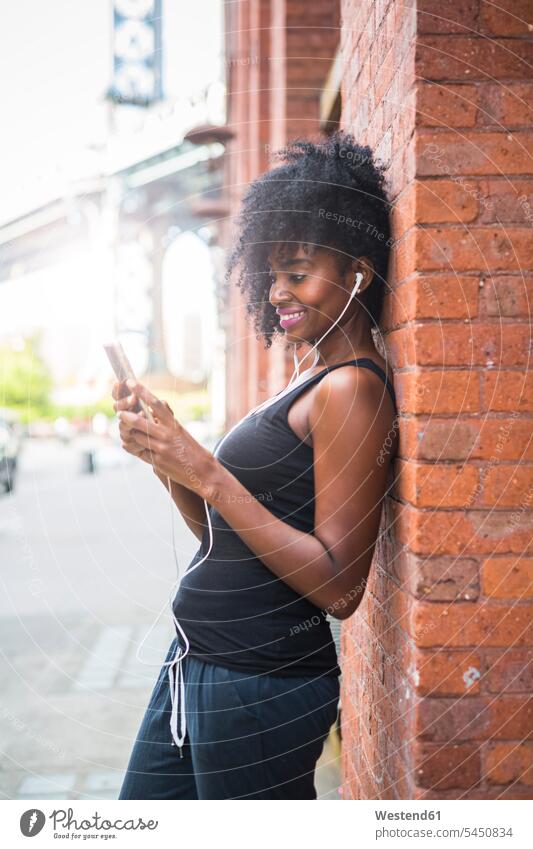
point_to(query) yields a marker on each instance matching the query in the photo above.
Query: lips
(290, 316)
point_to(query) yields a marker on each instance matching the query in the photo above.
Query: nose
(277, 299)
(279, 293)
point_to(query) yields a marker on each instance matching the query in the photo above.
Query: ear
(362, 265)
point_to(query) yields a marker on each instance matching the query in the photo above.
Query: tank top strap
(363, 362)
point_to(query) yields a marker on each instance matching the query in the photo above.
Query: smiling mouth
(288, 319)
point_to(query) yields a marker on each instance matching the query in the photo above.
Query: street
(86, 565)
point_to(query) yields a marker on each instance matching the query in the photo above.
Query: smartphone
(123, 370)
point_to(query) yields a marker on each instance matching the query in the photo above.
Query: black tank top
(233, 609)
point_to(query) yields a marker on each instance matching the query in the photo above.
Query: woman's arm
(350, 419)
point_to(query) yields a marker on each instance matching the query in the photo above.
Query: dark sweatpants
(249, 736)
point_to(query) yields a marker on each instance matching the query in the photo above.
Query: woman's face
(309, 292)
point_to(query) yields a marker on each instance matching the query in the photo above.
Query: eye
(296, 278)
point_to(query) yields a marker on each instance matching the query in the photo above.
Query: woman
(292, 494)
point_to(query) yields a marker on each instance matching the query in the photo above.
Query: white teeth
(291, 315)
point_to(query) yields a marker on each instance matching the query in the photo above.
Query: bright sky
(56, 64)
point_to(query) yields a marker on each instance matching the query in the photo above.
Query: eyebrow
(290, 263)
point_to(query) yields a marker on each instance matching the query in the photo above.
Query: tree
(25, 380)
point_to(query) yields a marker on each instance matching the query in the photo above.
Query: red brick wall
(378, 95)
(437, 660)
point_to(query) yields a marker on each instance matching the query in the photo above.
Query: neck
(352, 339)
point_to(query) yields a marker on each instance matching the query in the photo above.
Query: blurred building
(436, 661)
(115, 244)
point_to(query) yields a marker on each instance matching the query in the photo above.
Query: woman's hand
(125, 400)
(163, 443)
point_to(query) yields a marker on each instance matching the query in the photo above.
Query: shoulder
(352, 396)
(349, 382)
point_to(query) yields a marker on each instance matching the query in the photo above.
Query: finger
(147, 456)
(140, 423)
(127, 403)
(148, 442)
(128, 439)
(160, 408)
(128, 436)
(136, 451)
(130, 444)
(120, 390)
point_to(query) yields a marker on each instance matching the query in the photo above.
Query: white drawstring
(175, 676)
(177, 692)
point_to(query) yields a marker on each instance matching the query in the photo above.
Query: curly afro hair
(325, 195)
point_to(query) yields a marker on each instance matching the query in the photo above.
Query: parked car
(10, 444)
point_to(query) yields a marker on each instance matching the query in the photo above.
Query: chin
(293, 336)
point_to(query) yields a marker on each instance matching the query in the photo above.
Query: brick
(504, 439)
(439, 578)
(484, 248)
(506, 297)
(437, 392)
(465, 624)
(456, 532)
(509, 200)
(507, 17)
(446, 105)
(444, 767)
(509, 762)
(439, 57)
(446, 16)
(437, 484)
(456, 249)
(505, 106)
(508, 391)
(509, 486)
(407, 163)
(447, 673)
(509, 671)
(385, 77)
(459, 344)
(515, 104)
(444, 200)
(510, 718)
(403, 211)
(451, 720)
(433, 296)
(495, 439)
(473, 153)
(448, 439)
(478, 532)
(508, 577)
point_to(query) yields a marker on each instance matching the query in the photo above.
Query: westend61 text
(407, 815)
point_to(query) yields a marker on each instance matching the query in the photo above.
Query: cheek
(320, 296)
(314, 294)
